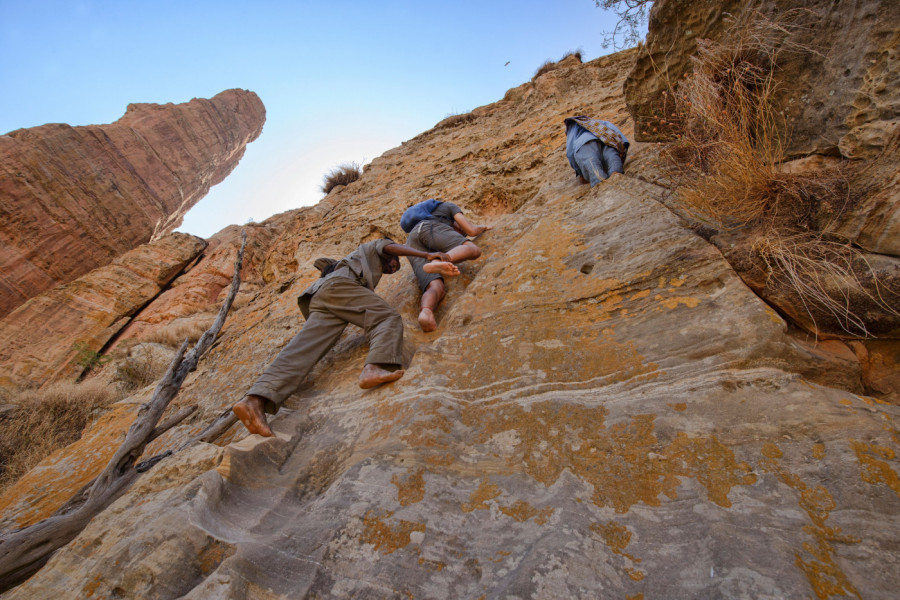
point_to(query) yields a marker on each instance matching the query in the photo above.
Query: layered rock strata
(74, 198)
(605, 410)
(38, 340)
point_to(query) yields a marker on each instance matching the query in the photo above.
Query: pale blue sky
(341, 80)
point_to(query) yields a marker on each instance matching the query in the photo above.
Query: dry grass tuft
(726, 165)
(551, 65)
(46, 420)
(175, 333)
(141, 365)
(341, 175)
(455, 120)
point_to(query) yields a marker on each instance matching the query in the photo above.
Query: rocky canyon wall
(38, 339)
(605, 410)
(75, 198)
(836, 70)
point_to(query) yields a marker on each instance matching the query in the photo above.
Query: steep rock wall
(605, 410)
(840, 94)
(37, 339)
(74, 198)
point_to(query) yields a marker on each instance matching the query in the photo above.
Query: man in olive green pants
(344, 294)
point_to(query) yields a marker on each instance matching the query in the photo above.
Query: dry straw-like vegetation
(140, 365)
(551, 65)
(175, 333)
(727, 167)
(341, 175)
(46, 420)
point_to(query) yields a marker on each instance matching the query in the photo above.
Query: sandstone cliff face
(605, 410)
(840, 94)
(37, 339)
(74, 198)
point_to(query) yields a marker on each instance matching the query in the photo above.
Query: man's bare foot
(250, 412)
(447, 269)
(373, 375)
(426, 320)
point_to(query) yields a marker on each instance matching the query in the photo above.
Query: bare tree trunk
(24, 551)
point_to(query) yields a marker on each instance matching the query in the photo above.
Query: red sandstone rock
(74, 198)
(37, 339)
(194, 297)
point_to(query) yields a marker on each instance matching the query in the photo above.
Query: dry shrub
(829, 279)
(455, 119)
(341, 175)
(550, 65)
(141, 365)
(175, 333)
(726, 165)
(46, 420)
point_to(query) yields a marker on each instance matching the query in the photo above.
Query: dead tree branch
(24, 551)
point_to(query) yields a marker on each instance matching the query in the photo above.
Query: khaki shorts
(431, 236)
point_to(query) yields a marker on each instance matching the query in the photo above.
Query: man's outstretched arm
(468, 228)
(404, 250)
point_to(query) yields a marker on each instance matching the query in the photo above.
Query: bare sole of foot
(373, 375)
(251, 414)
(446, 269)
(426, 320)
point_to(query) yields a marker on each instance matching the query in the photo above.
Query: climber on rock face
(596, 149)
(443, 230)
(343, 294)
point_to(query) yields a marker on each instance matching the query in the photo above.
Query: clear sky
(342, 80)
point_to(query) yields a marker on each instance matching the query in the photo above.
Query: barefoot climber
(444, 231)
(344, 294)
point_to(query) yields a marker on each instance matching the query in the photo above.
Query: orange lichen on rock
(672, 303)
(616, 536)
(479, 498)
(521, 511)
(712, 464)
(625, 463)
(825, 576)
(412, 489)
(875, 470)
(384, 537)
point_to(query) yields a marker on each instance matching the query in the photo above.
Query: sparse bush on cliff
(455, 119)
(341, 175)
(726, 166)
(87, 358)
(46, 420)
(175, 333)
(550, 65)
(141, 365)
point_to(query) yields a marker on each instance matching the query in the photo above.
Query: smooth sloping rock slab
(606, 411)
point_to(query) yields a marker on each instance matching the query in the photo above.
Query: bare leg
(373, 375)
(250, 412)
(447, 269)
(431, 297)
(465, 251)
